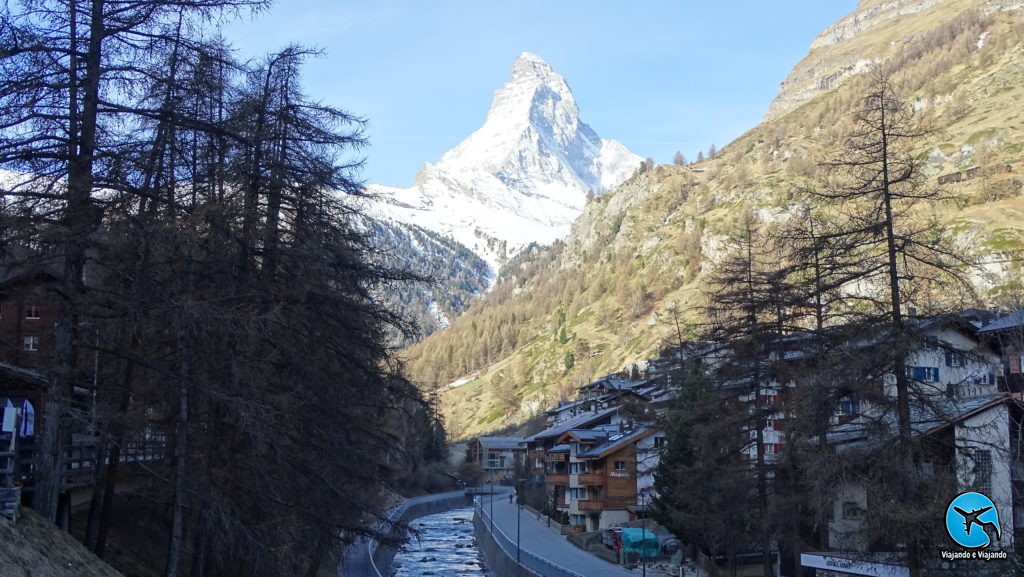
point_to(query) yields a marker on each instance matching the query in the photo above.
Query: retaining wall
(499, 564)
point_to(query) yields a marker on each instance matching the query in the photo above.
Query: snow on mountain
(521, 178)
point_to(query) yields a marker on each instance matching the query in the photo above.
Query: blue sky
(659, 76)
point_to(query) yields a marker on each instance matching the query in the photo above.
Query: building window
(577, 519)
(32, 312)
(578, 468)
(954, 359)
(851, 510)
(659, 442)
(924, 374)
(620, 465)
(31, 343)
(578, 493)
(981, 460)
(849, 406)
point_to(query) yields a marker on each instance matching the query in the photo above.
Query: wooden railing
(80, 457)
(557, 479)
(591, 479)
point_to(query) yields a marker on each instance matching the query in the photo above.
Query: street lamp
(643, 533)
(490, 477)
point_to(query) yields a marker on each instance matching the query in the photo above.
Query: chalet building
(953, 361)
(977, 438)
(1006, 334)
(549, 465)
(603, 468)
(28, 312)
(497, 456)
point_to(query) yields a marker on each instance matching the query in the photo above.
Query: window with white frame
(578, 493)
(578, 468)
(32, 312)
(620, 465)
(31, 343)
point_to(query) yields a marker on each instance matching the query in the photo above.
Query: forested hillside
(629, 275)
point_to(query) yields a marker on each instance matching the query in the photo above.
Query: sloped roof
(1014, 320)
(614, 443)
(501, 443)
(925, 418)
(576, 422)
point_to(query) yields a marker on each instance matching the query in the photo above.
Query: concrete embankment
(499, 564)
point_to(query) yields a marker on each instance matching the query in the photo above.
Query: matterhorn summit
(521, 178)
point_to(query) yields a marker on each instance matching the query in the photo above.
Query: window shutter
(936, 375)
(949, 359)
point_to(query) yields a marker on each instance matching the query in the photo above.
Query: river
(445, 548)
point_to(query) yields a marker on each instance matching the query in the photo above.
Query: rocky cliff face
(872, 32)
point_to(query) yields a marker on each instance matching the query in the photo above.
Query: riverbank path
(542, 541)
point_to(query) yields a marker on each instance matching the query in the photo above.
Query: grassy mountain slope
(613, 291)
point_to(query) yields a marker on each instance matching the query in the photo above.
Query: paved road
(539, 539)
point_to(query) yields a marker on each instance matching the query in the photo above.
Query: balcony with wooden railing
(557, 478)
(591, 479)
(605, 502)
(556, 457)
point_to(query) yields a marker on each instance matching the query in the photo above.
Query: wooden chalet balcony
(605, 502)
(591, 479)
(619, 502)
(557, 479)
(556, 457)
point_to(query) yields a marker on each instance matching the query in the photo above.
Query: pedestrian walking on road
(510, 499)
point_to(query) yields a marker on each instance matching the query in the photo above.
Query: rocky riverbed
(444, 547)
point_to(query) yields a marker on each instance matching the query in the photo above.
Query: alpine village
(224, 354)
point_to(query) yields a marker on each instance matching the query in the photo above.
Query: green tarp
(639, 542)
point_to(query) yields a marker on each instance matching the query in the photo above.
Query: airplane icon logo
(973, 521)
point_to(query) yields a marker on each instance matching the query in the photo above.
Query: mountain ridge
(629, 274)
(522, 177)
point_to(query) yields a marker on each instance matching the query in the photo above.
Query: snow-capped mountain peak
(522, 177)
